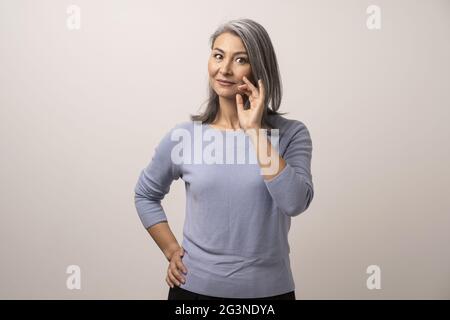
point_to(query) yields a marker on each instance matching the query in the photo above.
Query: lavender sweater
(236, 225)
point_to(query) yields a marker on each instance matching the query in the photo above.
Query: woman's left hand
(252, 117)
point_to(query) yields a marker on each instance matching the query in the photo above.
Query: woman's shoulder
(169, 137)
(180, 130)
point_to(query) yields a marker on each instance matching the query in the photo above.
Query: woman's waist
(228, 261)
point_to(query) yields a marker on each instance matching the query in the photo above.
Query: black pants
(177, 293)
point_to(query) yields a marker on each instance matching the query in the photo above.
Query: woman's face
(228, 61)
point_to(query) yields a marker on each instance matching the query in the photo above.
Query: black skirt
(177, 293)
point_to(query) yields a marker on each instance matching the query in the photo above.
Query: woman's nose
(225, 67)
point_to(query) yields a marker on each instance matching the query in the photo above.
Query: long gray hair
(263, 63)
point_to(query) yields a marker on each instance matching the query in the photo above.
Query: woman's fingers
(251, 87)
(172, 278)
(177, 274)
(244, 89)
(262, 90)
(181, 266)
(168, 281)
(176, 266)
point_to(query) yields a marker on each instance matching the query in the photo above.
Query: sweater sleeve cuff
(290, 191)
(148, 221)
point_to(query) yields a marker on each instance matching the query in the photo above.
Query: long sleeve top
(235, 233)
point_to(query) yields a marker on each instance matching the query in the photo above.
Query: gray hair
(263, 63)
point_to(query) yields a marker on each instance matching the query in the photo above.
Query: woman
(235, 236)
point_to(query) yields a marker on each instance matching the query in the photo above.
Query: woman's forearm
(269, 159)
(164, 238)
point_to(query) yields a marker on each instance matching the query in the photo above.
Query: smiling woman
(235, 238)
(240, 48)
(222, 60)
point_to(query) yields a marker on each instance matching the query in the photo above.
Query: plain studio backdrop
(83, 109)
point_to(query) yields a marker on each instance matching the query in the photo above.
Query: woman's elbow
(301, 203)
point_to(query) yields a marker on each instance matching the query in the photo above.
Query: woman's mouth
(225, 84)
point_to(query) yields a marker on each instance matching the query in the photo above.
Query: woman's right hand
(176, 266)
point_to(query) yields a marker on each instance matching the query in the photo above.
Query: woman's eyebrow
(238, 52)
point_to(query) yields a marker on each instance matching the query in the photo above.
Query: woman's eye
(220, 57)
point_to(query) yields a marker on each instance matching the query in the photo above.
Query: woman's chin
(229, 97)
(226, 94)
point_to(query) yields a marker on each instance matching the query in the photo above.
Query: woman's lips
(225, 84)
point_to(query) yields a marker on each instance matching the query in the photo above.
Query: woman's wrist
(252, 130)
(171, 250)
